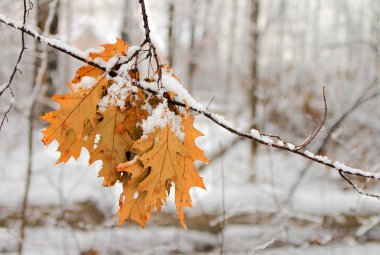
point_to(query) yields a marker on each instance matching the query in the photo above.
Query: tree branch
(15, 68)
(149, 40)
(316, 130)
(363, 98)
(219, 120)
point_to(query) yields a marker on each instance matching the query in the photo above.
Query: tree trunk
(230, 56)
(170, 34)
(47, 20)
(255, 36)
(193, 56)
(315, 43)
(126, 22)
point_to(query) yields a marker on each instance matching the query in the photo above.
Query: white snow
(117, 93)
(171, 84)
(111, 63)
(124, 68)
(86, 83)
(221, 120)
(290, 146)
(309, 154)
(160, 118)
(323, 159)
(264, 138)
(132, 50)
(355, 171)
(255, 134)
(100, 62)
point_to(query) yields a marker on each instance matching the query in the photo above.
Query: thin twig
(149, 41)
(30, 141)
(361, 191)
(15, 68)
(210, 102)
(264, 246)
(316, 130)
(358, 102)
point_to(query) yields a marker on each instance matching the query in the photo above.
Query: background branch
(15, 68)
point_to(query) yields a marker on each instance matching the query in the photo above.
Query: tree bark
(230, 57)
(126, 22)
(192, 61)
(49, 24)
(255, 36)
(171, 33)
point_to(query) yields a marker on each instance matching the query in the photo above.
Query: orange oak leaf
(162, 160)
(84, 71)
(113, 145)
(77, 108)
(111, 50)
(187, 175)
(72, 146)
(191, 133)
(134, 115)
(167, 160)
(73, 123)
(188, 178)
(132, 204)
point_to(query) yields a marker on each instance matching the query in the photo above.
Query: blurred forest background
(259, 63)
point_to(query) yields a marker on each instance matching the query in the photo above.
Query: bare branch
(316, 130)
(358, 102)
(149, 40)
(30, 140)
(361, 191)
(15, 68)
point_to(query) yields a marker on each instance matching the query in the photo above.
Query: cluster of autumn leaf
(147, 165)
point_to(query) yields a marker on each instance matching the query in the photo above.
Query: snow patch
(323, 159)
(171, 84)
(291, 146)
(264, 138)
(111, 63)
(255, 134)
(161, 117)
(309, 154)
(85, 83)
(116, 94)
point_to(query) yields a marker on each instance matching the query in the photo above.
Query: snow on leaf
(161, 117)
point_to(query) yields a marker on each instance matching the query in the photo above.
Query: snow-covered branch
(184, 99)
